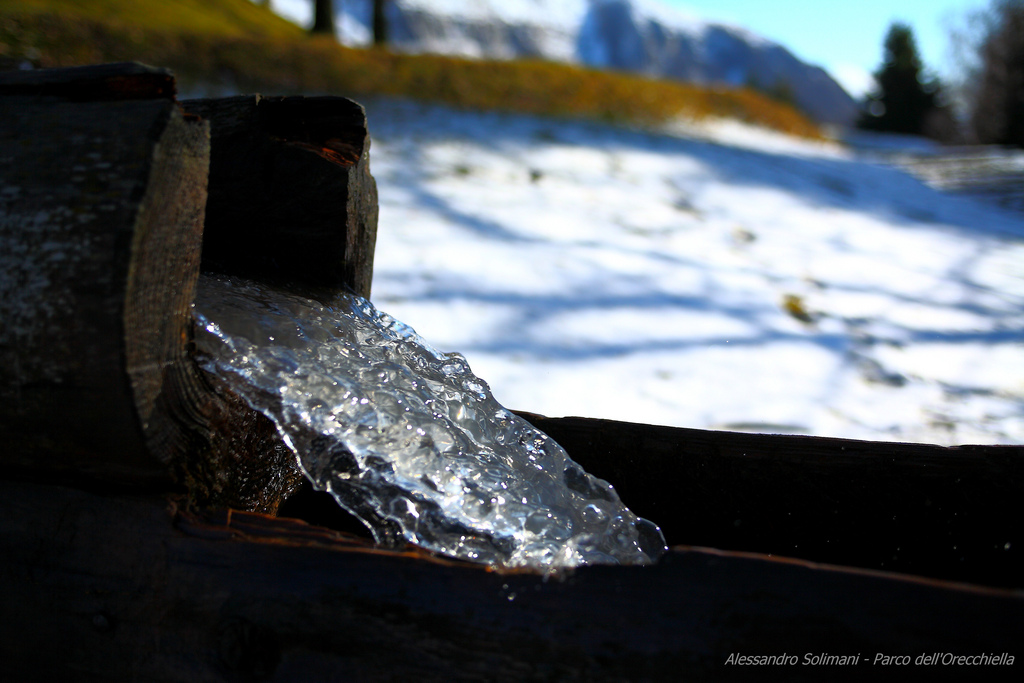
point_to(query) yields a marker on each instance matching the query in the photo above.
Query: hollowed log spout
(106, 186)
(291, 195)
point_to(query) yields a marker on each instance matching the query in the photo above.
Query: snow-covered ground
(716, 277)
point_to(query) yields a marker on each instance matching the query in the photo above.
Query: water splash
(407, 438)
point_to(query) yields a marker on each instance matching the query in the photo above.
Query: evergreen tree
(323, 17)
(997, 115)
(904, 97)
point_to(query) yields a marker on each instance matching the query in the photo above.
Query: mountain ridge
(641, 36)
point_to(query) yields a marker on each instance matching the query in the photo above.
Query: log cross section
(101, 215)
(113, 195)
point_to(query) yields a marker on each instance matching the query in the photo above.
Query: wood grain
(101, 206)
(119, 588)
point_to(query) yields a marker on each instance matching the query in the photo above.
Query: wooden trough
(153, 528)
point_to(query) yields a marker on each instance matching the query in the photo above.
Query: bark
(124, 81)
(949, 513)
(101, 208)
(102, 588)
(103, 204)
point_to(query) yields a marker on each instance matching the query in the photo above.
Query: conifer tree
(904, 96)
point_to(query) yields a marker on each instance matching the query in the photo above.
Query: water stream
(407, 438)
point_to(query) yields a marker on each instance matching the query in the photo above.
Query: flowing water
(406, 437)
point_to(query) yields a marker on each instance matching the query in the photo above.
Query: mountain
(643, 36)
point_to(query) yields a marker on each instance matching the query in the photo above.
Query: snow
(562, 14)
(298, 11)
(565, 15)
(658, 11)
(640, 276)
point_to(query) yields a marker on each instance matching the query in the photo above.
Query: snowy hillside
(644, 36)
(764, 284)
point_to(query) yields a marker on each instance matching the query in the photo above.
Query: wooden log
(949, 513)
(119, 82)
(291, 195)
(118, 588)
(290, 199)
(101, 207)
(104, 207)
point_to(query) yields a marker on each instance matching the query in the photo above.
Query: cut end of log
(100, 231)
(111, 193)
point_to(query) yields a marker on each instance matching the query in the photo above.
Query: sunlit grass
(215, 18)
(237, 45)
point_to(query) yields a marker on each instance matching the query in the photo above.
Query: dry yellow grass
(238, 45)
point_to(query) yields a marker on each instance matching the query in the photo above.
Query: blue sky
(845, 38)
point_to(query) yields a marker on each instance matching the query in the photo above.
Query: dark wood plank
(117, 588)
(952, 513)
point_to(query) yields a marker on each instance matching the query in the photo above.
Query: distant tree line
(909, 100)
